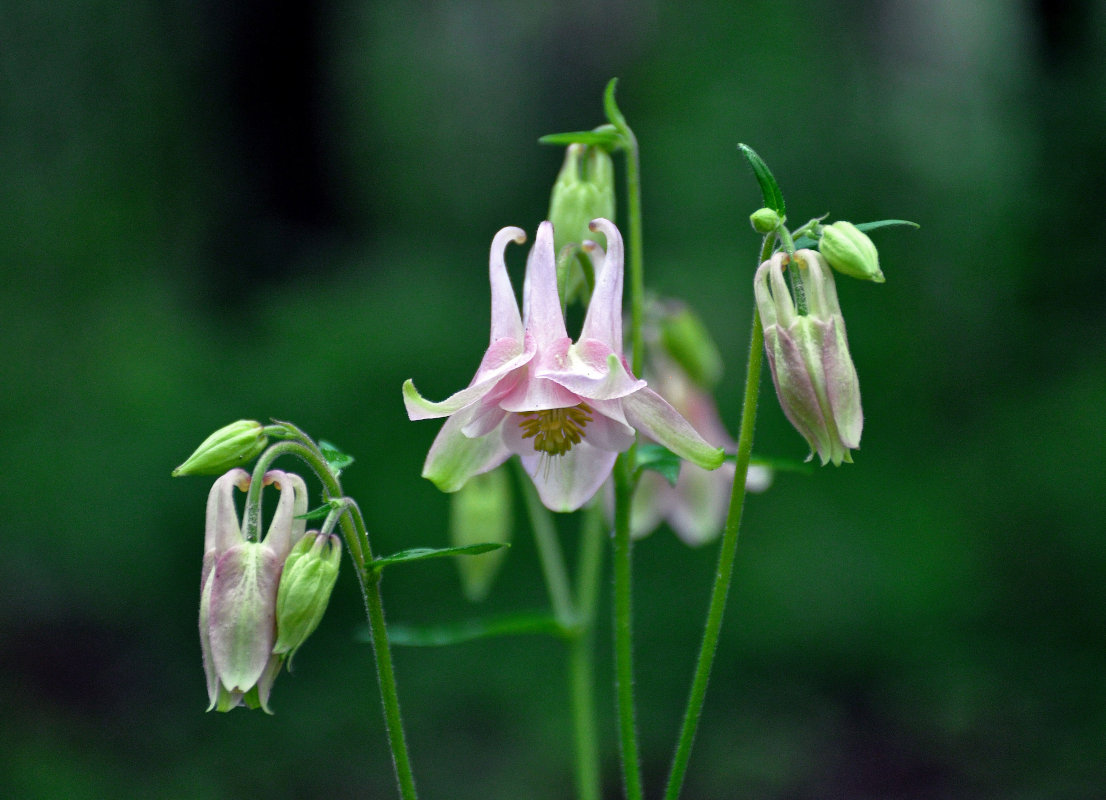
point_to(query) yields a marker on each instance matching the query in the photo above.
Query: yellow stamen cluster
(556, 430)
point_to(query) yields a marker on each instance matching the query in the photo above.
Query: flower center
(555, 430)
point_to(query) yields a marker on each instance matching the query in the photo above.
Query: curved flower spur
(567, 409)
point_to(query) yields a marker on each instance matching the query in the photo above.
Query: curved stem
(726, 554)
(357, 542)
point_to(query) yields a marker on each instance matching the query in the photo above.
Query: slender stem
(582, 656)
(549, 552)
(623, 628)
(726, 555)
(357, 542)
(633, 207)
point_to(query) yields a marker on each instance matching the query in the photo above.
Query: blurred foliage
(214, 212)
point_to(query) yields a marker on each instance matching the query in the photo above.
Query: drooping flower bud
(310, 572)
(239, 588)
(231, 446)
(583, 191)
(809, 355)
(685, 339)
(764, 220)
(481, 511)
(849, 251)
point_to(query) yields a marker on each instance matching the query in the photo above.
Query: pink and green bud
(809, 355)
(849, 251)
(238, 591)
(310, 573)
(231, 446)
(481, 511)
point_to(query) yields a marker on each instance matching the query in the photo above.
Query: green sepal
(525, 623)
(659, 459)
(322, 512)
(773, 197)
(777, 464)
(603, 137)
(808, 241)
(423, 553)
(335, 458)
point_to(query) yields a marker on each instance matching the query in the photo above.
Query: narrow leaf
(773, 197)
(469, 630)
(423, 553)
(316, 513)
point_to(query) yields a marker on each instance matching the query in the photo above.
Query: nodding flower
(809, 355)
(566, 408)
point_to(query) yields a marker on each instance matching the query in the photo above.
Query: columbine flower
(239, 591)
(809, 355)
(565, 408)
(696, 506)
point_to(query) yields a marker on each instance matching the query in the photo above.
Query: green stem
(357, 542)
(623, 478)
(549, 552)
(623, 628)
(582, 656)
(726, 555)
(633, 208)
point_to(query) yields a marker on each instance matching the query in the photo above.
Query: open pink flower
(567, 409)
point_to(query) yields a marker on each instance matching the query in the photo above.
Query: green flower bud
(684, 337)
(583, 191)
(481, 512)
(849, 251)
(310, 572)
(230, 446)
(764, 220)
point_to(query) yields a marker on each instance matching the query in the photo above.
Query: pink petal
(542, 315)
(591, 370)
(604, 317)
(506, 321)
(566, 482)
(501, 359)
(222, 531)
(651, 414)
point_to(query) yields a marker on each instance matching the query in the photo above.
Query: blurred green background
(213, 211)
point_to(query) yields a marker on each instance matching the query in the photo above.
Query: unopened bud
(686, 340)
(305, 586)
(849, 251)
(764, 220)
(481, 512)
(229, 447)
(584, 191)
(809, 355)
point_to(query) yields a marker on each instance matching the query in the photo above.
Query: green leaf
(808, 241)
(773, 197)
(526, 623)
(659, 459)
(608, 139)
(317, 513)
(335, 458)
(423, 553)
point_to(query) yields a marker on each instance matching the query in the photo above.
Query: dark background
(212, 211)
